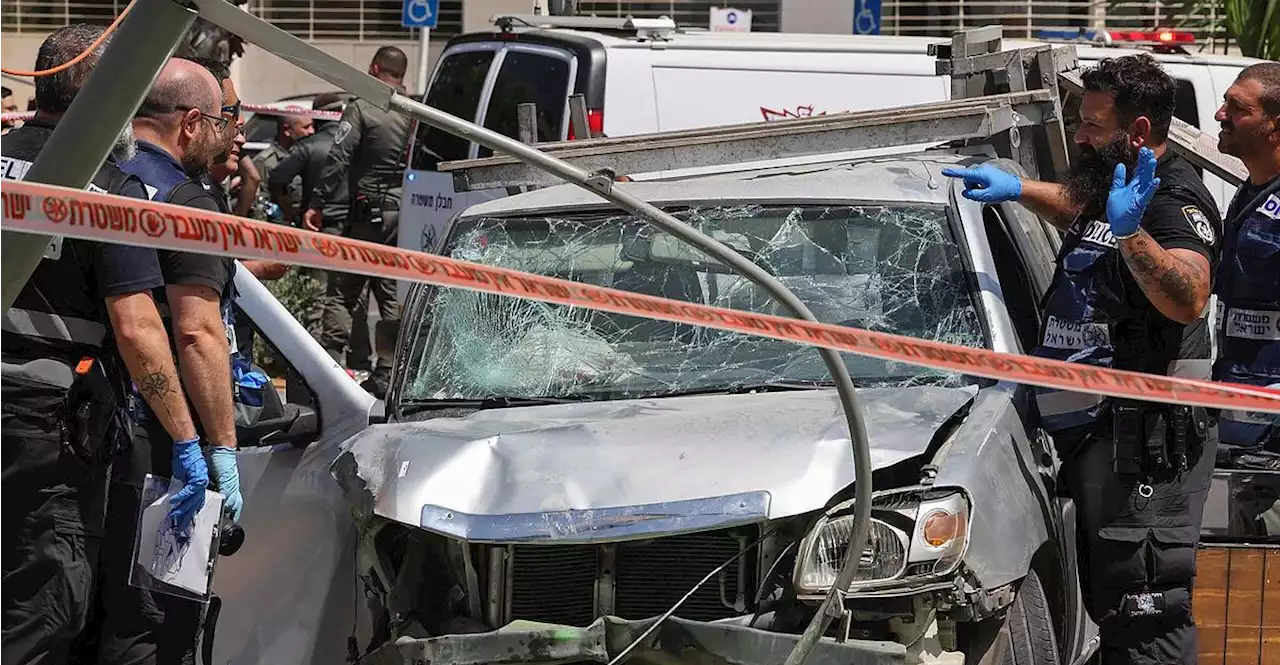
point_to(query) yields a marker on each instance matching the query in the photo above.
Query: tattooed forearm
(155, 385)
(1176, 286)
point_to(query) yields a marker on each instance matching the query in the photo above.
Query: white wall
(262, 77)
(19, 52)
(818, 16)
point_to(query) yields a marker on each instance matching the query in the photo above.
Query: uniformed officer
(1248, 279)
(369, 155)
(290, 131)
(182, 127)
(84, 325)
(306, 161)
(1130, 292)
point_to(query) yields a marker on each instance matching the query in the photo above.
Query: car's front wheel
(1024, 635)
(1029, 626)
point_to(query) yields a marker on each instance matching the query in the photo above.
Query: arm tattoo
(155, 386)
(1177, 281)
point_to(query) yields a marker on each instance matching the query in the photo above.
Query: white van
(640, 76)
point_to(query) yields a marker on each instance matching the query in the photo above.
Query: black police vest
(1091, 318)
(1247, 315)
(57, 314)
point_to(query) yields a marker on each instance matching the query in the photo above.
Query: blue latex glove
(1129, 198)
(987, 184)
(189, 468)
(227, 475)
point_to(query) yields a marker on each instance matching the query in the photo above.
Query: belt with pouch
(1152, 439)
(81, 403)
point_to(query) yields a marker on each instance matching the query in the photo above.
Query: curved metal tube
(603, 186)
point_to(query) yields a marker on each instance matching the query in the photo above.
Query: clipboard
(165, 563)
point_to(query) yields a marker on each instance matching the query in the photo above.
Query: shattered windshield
(892, 268)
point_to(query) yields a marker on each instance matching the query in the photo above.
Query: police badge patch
(344, 128)
(1199, 223)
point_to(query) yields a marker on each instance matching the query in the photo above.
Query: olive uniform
(368, 159)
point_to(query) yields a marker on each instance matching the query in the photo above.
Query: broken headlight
(822, 552)
(938, 536)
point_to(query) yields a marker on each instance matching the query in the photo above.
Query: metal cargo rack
(1009, 100)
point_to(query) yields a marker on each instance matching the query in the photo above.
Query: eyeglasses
(219, 121)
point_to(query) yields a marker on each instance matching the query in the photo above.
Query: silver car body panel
(288, 594)
(562, 471)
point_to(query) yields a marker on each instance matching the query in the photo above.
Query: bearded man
(1130, 292)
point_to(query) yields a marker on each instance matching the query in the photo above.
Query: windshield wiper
(494, 402)
(765, 387)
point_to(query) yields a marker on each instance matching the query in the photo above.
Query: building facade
(353, 29)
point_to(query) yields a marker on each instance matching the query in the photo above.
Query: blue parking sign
(420, 13)
(866, 17)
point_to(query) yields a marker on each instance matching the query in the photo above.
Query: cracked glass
(891, 268)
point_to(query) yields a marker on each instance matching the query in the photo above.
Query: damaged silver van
(553, 481)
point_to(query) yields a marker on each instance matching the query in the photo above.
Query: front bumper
(676, 641)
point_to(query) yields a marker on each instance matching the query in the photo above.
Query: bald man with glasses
(181, 131)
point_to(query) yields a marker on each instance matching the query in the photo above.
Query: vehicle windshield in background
(884, 267)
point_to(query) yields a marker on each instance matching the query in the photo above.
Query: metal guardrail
(355, 20)
(1023, 18)
(766, 15)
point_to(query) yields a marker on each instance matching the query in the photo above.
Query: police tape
(258, 109)
(291, 111)
(50, 210)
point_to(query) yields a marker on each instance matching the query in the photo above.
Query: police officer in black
(369, 155)
(1130, 292)
(84, 325)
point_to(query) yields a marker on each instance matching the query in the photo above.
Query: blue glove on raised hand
(189, 468)
(987, 184)
(227, 476)
(1129, 198)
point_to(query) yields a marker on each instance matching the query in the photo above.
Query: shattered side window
(892, 268)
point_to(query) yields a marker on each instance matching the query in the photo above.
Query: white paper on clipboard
(165, 563)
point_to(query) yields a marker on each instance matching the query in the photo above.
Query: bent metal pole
(88, 130)
(311, 59)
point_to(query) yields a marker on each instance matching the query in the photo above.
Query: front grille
(557, 583)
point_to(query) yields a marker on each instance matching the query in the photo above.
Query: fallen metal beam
(764, 141)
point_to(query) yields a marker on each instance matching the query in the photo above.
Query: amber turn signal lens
(941, 527)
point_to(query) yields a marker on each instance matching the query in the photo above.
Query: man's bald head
(183, 114)
(182, 84)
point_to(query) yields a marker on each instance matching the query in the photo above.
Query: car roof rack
(1010, 101)
(645, 28)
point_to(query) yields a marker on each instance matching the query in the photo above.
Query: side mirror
(299, 425)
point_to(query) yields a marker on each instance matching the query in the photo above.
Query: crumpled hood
(597, 470)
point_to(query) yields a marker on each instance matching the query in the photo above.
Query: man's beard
(1088, 183)
(199, 157)
(125, 146)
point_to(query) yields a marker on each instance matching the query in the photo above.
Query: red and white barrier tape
(50, 210)
(258, 109)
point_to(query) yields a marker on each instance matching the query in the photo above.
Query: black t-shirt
(1182, 215)
(188, 269)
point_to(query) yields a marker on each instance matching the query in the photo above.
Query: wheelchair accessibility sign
(420, 13)
(866, 17)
